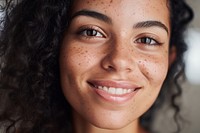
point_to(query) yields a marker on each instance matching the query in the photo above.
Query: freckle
(147, 73)
(111, 1)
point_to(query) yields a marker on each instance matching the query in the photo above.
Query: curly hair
(31, 99)
(180, 16)
(177, 39)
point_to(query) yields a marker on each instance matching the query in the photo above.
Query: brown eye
(91, 33)
(147, 40)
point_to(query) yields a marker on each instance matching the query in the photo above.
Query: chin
(111, 123)
(110, 126)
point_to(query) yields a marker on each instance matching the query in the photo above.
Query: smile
(115, 91)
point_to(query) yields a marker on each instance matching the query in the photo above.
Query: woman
(87, 66)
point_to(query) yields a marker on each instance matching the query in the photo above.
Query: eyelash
(148, 41)
(90, 32)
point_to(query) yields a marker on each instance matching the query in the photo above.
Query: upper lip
(113, 83)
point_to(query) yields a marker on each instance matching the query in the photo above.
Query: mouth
(114, 90)
(117, 92)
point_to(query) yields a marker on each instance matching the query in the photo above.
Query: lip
(130, 90)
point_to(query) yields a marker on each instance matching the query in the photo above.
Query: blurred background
(190, 101)
(191, 92)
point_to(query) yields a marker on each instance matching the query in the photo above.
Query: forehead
(136, 4)
(140, 9)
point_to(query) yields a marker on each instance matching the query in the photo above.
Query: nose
(119, 57)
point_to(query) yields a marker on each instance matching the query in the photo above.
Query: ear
(172, 55)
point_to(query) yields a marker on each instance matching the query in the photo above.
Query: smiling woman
(122, 59)
(87, 66)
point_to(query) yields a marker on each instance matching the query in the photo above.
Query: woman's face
(114, 59)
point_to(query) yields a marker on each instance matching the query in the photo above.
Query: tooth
(105, 88)
(100, 87)
(111, 90)
(129, 90)
(119, 91)
(124, 91)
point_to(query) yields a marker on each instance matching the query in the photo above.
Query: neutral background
(191, 92)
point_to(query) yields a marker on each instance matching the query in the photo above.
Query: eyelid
(151, 39)
(91, 27)
(150, 36)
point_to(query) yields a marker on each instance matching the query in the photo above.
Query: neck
(80, 125)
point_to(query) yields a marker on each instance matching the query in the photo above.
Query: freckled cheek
(74, 65)
(155, 69)
(77, 59)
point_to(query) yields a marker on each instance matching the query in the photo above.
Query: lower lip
(115, 98)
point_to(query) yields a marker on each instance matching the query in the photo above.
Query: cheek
(74, 63)
(75, 60)
(155, 69)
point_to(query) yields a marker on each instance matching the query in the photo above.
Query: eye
(147, 40)
(91, 32)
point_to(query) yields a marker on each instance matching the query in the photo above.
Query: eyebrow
(106, 19)
(93, 14)
(148, 24)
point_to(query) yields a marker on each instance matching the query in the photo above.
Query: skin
(117, 55)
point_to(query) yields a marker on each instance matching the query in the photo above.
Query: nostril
(129, 69)
(110, 68)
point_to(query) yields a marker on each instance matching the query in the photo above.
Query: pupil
(146, 40)
(91, 32)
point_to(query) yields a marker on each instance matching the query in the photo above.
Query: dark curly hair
(31, 100)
